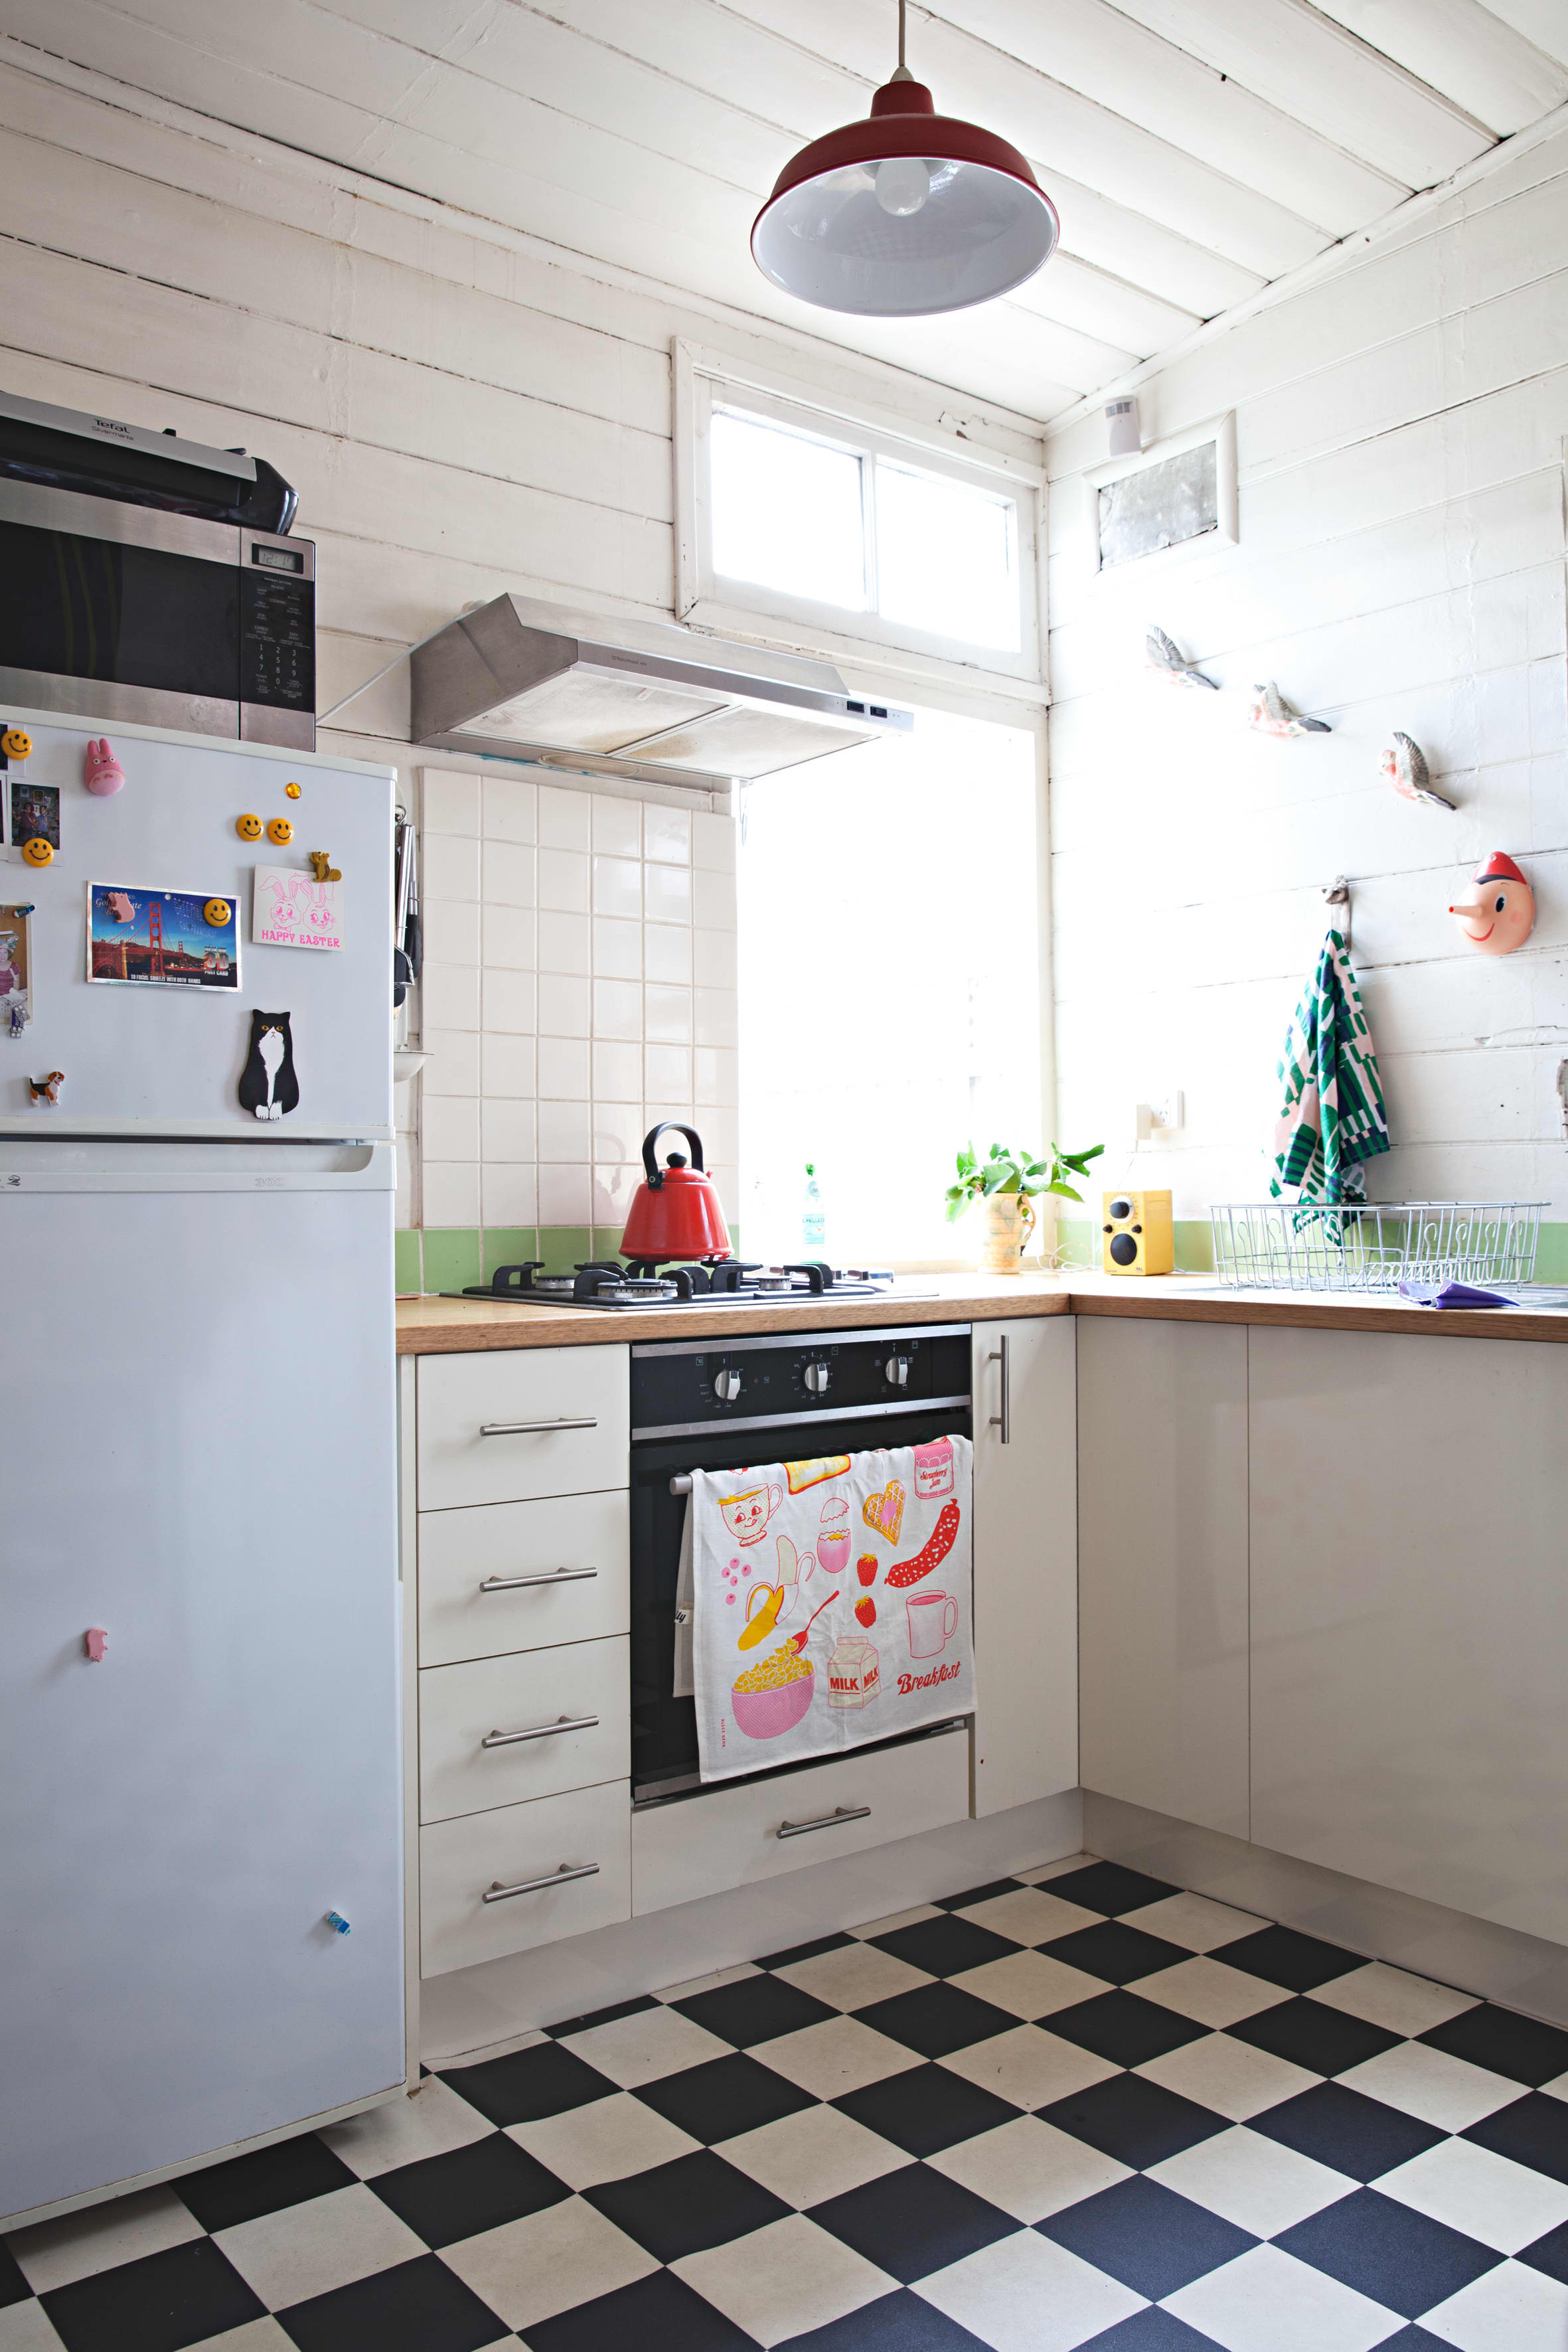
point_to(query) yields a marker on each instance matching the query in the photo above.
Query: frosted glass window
(946, 558)
(890, 974)
(787, 511)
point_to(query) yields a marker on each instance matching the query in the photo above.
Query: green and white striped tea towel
(1332, 1119)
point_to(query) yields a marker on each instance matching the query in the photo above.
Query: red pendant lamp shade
(906, 214)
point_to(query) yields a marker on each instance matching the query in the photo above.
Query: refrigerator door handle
(41, 1167)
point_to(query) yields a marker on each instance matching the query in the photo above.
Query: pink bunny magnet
(101, 771)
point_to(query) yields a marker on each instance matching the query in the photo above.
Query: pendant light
(904, 215)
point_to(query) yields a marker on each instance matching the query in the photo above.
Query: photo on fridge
(162, 938)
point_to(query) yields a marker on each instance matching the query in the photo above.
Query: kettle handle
(655, 1173)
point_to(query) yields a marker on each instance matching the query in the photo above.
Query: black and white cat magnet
(268, 1085)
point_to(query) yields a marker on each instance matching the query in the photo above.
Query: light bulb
(903, 184)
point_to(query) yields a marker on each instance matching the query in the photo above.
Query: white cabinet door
(1410, 1615)
(521, 1576)
(1163, 1623)
(506, 1427)
(1025, 1562)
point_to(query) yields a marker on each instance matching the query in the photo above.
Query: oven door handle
(681, 1486)
(832, 1821)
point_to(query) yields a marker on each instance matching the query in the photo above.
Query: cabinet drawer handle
(540, 1731)
(1004, 1419)
(545, 1576)
(536, 1428)
(497, 1893)
(824, 1820)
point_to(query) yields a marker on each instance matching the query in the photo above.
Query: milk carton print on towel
(794, 1655)
(268, 1085)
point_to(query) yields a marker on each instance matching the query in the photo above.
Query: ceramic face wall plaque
(1498, 915)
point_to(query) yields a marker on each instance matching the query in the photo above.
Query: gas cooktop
(731, 1282)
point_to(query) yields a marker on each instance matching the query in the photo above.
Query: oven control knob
(727, 1386)
(896, 1371)
(816, 1376)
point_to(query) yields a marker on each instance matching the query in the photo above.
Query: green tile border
(445, 1258)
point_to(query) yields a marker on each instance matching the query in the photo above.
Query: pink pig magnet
(101, 771)
(95, 1641)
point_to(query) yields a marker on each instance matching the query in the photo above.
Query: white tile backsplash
(563, 988)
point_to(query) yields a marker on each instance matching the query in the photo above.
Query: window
(1168, 501)
(850, 531)
(889, 985)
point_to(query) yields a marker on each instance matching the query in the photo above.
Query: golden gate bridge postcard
(162, 938)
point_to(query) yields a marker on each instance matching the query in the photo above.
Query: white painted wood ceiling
(1196, 149)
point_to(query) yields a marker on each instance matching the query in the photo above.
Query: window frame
(706, 380)
(1221, 431)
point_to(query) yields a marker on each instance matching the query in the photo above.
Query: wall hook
(1337, 897)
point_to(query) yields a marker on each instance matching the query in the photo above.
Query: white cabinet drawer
(555, 1571)
(460, 1861)
(495, 1700)
(730, 1836)
(505, 1426)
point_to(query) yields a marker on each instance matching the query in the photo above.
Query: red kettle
(675, 1215)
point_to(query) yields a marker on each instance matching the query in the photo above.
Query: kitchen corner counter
(444, 1327)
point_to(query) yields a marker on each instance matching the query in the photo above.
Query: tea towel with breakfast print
(830, 1603)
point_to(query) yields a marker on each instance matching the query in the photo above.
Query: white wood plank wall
(1400, 431)
(463, 409)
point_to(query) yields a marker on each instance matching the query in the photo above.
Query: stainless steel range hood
(526, 680)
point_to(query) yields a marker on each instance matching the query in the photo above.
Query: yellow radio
(1138, 1233)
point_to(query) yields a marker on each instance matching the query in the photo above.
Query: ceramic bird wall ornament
(1271, 715)
(1163, 656)
(1500, 914)
(1404, 765)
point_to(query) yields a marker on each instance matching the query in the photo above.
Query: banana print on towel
(829, 1603)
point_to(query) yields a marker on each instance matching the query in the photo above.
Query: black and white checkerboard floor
(1074, 2108)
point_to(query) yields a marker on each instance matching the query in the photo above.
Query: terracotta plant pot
(1008, 1219)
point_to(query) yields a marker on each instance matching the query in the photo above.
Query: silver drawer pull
(545, 1576)
(535, 1428)
(540, 1731)
(497, 1893)
(824, 1820)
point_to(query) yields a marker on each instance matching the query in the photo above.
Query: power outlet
(1162, 1115)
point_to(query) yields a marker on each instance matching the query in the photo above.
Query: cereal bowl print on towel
(889, 1649)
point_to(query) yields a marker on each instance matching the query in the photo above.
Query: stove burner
(643, 1282)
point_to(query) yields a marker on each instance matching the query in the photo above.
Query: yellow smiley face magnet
(280, 831)
(247, 827)
(16, 743)
(38, 852)
(216, 912)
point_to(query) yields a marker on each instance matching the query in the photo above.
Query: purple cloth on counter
(1450, 1293)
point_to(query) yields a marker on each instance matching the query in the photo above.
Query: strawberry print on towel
(792, 1655)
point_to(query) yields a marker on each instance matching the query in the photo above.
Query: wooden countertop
(444, 1327)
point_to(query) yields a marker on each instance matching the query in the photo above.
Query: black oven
(723, 1404)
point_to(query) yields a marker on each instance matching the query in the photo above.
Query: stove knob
(727, 1386)
(896, 1371)
(816, 1377)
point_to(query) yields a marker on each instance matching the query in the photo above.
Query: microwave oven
(163, 606)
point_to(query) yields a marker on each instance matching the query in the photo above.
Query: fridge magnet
(34, 830)
(47, 1087)
(100, 770)
(16, 743)
(1404, 765)
(322, 867)
(289, 909)
(268, 1085)
(280, 831)
(1271, 715)
(162, 938)
(292, 791)
(1164, 658)
(95, 1642)
(15, 969)
(248, 826)
(1501, 915)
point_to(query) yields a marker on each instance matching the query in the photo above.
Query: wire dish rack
(1304, 1245)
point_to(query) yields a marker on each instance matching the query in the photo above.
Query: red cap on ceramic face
(1498, 868)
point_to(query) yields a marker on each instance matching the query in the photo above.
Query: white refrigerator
(201, 1903)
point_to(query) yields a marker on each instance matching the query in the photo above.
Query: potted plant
(1007, 1185)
